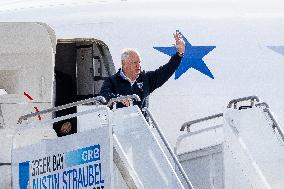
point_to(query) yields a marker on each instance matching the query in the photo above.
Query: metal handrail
(2, 164)
(189, 123)
(45, 122)
(262, 104)
(181, 137)
(275, 123)
(98, 99)
(120, 98)
(202, 130)
(235, 101)
(169, 148)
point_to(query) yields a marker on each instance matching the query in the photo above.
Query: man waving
(131, 80)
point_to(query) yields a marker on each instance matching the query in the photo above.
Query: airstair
(240, 148)
(130, 155)
(244, 150)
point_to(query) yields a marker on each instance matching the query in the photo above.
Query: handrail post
(169, 149)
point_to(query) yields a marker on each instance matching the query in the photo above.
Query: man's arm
(158, 77)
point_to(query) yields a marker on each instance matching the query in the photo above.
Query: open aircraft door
(26, 79)
(30, 57)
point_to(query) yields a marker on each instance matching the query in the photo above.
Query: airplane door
(93, 64)
(81, 66)
(85, 70)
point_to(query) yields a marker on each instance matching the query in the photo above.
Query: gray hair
(126, 52)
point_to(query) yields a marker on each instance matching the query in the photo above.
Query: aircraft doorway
(81, 66)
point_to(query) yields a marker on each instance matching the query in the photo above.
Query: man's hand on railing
(125, 102)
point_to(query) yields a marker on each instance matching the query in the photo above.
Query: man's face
(132, 66)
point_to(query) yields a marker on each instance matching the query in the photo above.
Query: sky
(217, 6)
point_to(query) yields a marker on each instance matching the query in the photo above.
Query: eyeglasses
(136, 62)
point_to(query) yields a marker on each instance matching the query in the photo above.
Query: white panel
(5, 180)
(198, 170)
(196, 140)
(98, 117)
(27, 59)
(10, 138)
(118, 181)
(217, 170)
(142, 149)
(12, 112)
(204, 167)
(82, 160)
(6, 136)
(256, 149)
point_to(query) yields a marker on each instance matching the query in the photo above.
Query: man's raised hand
(180, 44)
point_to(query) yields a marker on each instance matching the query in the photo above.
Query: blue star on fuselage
(278, 49)
(192, 58)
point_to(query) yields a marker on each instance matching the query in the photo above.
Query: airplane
(234, 49)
